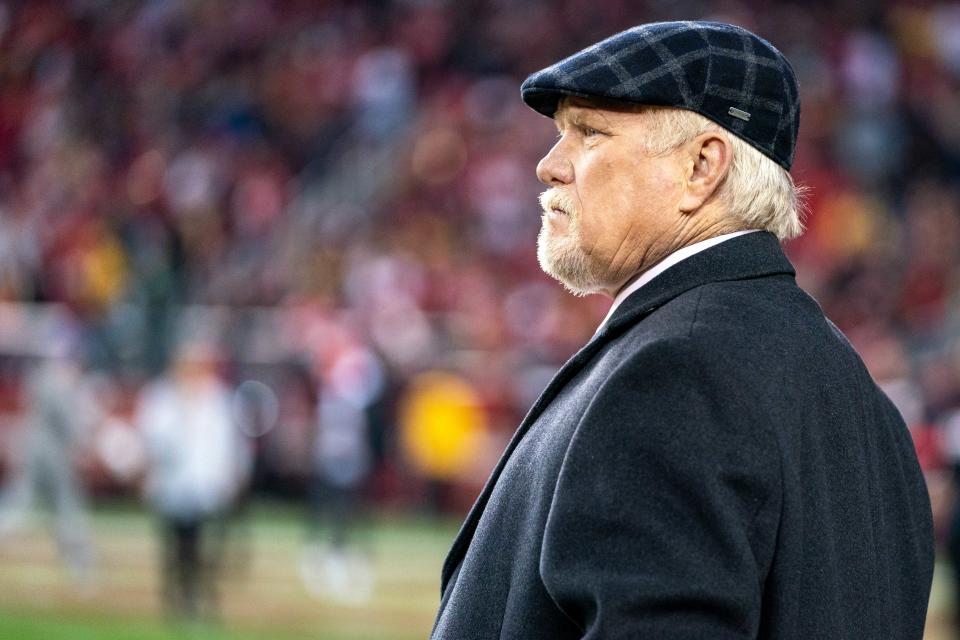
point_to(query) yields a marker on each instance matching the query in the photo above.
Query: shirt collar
(677, 256)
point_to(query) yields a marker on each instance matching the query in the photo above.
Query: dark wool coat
(716, 463)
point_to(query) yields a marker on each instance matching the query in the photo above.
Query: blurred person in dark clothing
(342, 459)
(197, 463)
(716, 462)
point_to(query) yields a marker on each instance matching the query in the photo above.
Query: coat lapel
(747, 256)
(559, 380)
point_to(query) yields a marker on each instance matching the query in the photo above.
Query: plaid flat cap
(721, 71)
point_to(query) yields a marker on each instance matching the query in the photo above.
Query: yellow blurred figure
(104, 266)
(443, 425)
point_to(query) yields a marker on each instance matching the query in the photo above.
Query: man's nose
(554, 168)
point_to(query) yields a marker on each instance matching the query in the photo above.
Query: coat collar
(749, 256)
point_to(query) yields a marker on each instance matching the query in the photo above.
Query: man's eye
(586, 132)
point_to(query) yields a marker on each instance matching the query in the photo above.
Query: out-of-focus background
(269, 305)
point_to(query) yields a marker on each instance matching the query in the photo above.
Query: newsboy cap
(721, 71)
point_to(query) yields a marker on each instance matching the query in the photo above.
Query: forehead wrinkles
(571, 113)
(580, 116)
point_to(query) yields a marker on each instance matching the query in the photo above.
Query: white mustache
(557, 200)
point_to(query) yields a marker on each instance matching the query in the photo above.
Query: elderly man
(716, 462)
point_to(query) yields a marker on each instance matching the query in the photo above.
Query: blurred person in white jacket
(197, 463)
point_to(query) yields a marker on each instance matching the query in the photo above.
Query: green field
(262, 594)
(263, 597)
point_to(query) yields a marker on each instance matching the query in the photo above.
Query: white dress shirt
(674, 258)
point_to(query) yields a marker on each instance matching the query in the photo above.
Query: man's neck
(681, 254)
(720, 226)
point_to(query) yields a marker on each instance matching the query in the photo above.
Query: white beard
(563, 258)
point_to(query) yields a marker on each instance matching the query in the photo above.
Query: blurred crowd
(337, 200)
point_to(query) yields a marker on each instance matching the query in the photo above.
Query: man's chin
(568, 269)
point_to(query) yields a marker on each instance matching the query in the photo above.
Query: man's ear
(705, 165)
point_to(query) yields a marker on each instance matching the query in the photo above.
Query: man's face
(611, 211)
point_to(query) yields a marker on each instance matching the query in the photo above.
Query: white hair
(757, 191)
